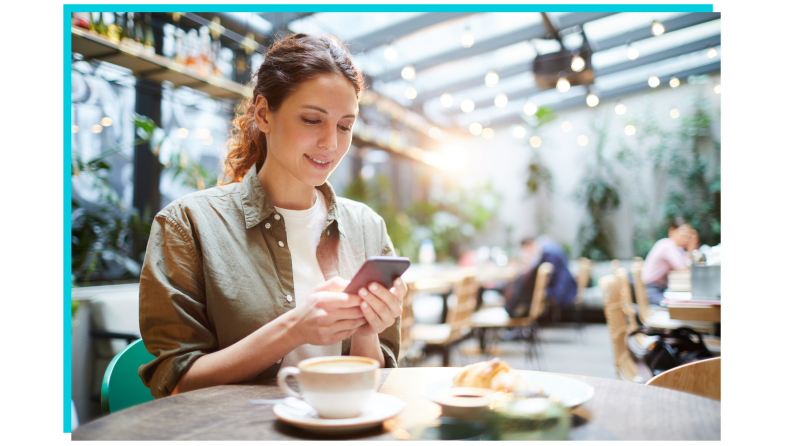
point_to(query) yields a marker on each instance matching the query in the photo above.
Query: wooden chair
(583, 276)
(497, 318)
(457, 326)
(702, 378)
(613, 306)
(407, 321)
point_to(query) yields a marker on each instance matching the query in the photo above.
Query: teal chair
(121, 385)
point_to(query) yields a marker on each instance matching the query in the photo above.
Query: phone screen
(382, 270)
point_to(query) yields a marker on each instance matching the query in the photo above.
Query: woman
(243, 278)
(667, 254)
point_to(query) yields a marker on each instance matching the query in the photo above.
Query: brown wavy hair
(290, 61)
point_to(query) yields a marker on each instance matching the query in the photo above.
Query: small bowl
(463, 402)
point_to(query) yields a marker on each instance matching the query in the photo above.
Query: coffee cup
(336, 386)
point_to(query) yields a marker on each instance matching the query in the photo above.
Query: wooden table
(684, 307)
(618, 411)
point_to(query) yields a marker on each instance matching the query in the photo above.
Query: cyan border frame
(69, 8)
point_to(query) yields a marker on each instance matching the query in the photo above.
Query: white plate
(569, 392)
(299, 413)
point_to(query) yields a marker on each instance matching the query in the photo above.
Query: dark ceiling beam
(579, 101)
(612, 42)
(398, 30)
(643, 60)
(529, 32)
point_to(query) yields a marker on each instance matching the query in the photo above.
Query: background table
(618, 411)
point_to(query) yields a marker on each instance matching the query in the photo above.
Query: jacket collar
(258, 207)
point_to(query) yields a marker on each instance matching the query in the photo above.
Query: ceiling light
(674, 113)
(657, 28)
(592, 100)
(467, 38)
(435, 133)
(488, 133)
(629, 130)
(632, 52)
(566, 126)
(446, 100)
(390, 53)
(519, 132)
(501, 100)
(475, 128)
(535, 142)
(712, 52)
(491, 78)
(654, 81)
(96, 129)
(250, 44)
(621, 109)
(106, 122)
(408, 73)
(717, 89)
(582, 140)
(529, 108)
(182, 132)
(75, 129)
(410, 93)
(468, 105)
(578, 64)
(562, 85)
(674, 82)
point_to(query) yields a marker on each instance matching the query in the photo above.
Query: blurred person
(561, 288)
(668, 254)
(241, 279)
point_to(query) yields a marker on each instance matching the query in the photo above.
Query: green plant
(540, 178)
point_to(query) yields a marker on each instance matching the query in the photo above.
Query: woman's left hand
(381, 306)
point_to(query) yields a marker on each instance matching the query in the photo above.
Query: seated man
(667, 254)
(561, 288)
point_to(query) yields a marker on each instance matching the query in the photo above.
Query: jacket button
(267, 225)
(280, 244)
(288, 298)
(277, 216)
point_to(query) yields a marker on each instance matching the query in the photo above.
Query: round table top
(618, 411)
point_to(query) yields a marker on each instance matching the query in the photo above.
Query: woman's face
(311, 132)
(680, 235)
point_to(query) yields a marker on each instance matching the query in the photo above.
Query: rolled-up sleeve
(173, 317)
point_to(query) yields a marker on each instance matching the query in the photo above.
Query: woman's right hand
(329, 315)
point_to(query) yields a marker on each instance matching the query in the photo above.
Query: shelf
(153, 66)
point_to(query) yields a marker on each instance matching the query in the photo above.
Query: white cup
(336, 386)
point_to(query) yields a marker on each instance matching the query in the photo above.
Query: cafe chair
(121, 385)
(702, 378)
(583, 277)
(409, 351)
(442, 337)
(497, 318)
(615, 316)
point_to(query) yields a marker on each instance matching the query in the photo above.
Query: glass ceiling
(464, 77)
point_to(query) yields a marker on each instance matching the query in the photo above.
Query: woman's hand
(381, 306)
(328, 315)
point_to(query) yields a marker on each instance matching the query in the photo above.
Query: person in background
(667, 254)
(561, 288)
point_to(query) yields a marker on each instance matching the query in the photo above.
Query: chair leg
(446, 356)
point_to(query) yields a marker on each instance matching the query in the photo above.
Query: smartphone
(379, 269)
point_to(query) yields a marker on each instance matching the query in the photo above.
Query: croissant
(494, 374)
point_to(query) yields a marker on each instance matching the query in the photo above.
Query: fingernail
(363, 292)
(373, 286)
(398, 281)
(363, 305)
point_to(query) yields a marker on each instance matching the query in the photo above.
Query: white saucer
(299, 413)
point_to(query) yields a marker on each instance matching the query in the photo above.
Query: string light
(578, 64)
(390, 53)
(475, 128)
(467, 38)
(712, 52)
(75, 129)
(96, 129)
(182, 133)
(468, 105)
(408, 73)
(410, 93)
(621, 109)
(582, 140)
(566, 126)
(519, 132)
(529, 108)
(491, 79)
(106, 122)
(674, 82)
(654, 81)
(501, 100)
(629, 130)
(535, 142)
(592, 100)
(488, 133)
(446, 100)
(562, 85)
(435, 133)
(674, 113)
(632, 52)
(717, 89)
(657, 28)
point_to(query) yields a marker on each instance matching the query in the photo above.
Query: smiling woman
(241, 279)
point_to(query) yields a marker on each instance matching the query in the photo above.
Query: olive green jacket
(218, 267)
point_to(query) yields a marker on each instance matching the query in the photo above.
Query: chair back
(702, 378)
(640, 292)
(626, 299)
(458, 316)
(540, 289)
(407, 321)
(121, 386)
(626, 369)
(584, 274)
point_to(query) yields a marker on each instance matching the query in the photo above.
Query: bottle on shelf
(205, 47)
(97, 24)
(113, 29)
(148, 36)
(192, 49)
(137, 27)
(82, 20)
(179, 47)
(127, 30)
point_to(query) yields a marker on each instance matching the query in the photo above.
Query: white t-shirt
(303, 230)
